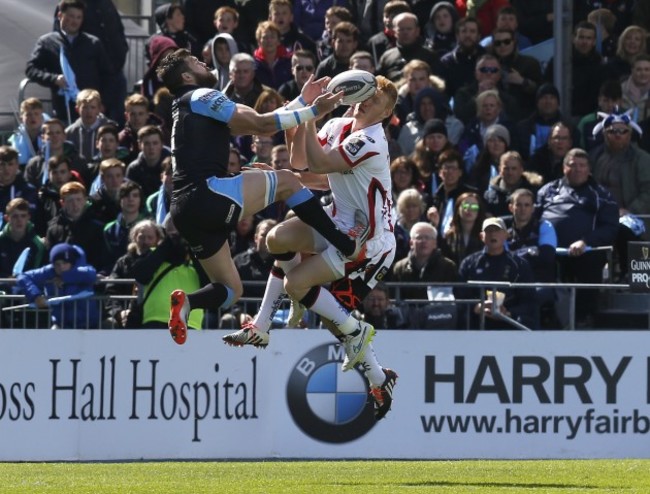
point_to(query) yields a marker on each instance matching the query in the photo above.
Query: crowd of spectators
(477, 122)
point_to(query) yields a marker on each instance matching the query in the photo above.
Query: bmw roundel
(326, 403)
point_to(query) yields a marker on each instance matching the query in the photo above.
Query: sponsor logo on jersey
(353, 146)
(216, 104)
(208, 96)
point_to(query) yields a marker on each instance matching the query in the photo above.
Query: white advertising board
(113, 395)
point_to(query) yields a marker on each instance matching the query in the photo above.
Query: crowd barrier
(18, 313)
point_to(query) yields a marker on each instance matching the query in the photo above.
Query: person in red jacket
(485, 11)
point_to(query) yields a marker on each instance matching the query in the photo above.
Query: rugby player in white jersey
(350, 157)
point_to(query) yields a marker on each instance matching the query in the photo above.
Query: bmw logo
(326, 403)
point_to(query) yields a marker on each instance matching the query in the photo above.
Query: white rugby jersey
(367, 184)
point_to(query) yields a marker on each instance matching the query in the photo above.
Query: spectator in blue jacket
(68, 274)
(584, 215)
(496, 263)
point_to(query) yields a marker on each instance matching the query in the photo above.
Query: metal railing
(31, 317)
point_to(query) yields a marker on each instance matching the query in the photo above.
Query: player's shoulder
(206, 95)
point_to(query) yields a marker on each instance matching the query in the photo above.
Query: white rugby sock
(371, 366)
(274, 294)
(328, 307)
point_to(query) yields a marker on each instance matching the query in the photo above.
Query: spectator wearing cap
(533, 132)
(496, 263)
(429, 105)
(584, 214)
(484, 166)
(510, 178)
(623, 168)
(67, 274)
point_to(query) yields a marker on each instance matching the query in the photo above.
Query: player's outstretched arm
(245, 120)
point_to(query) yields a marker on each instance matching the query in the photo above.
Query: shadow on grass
(513, 485)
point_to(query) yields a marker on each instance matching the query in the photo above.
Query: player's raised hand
(314, 88)
(326, 102)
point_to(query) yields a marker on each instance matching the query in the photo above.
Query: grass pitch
(321, 477)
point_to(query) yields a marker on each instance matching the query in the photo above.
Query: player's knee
(276, 242)
(288, 183)
(294, 287)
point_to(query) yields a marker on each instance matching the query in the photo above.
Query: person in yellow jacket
(164, 270)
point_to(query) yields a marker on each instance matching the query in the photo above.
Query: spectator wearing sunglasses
(487, 76)
(507, 19)
(623, 168)
(303, 64)
(464, 234)
(521, 74)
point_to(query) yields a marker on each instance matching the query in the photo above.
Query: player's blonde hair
(388, 88)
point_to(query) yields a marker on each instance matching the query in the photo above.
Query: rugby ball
(358, 86)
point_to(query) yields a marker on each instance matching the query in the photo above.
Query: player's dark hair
(171, 69)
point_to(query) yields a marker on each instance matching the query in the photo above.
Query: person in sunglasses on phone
(487, 76)
(521, 74)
